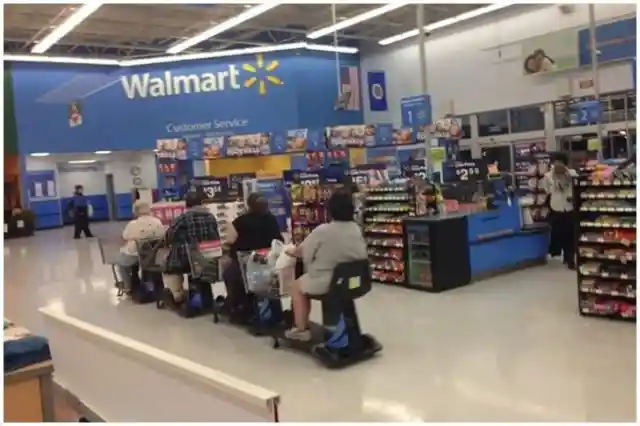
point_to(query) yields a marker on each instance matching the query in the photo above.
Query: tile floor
(508, 349)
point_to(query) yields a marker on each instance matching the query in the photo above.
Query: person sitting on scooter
(326, 246)
(253, 230)
(143, 227)
(197, 224)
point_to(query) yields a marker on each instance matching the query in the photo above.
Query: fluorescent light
(39, 154)
(246, 15)
(179, 58)
(445, 23)
(79, 15)
(102, 152)
(329, 48)
(374, 13)
(238, 52)
(60, 60)
(82, 161)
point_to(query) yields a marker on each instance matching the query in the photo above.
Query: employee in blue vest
(79, 209)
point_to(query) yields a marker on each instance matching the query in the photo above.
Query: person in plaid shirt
(195, 225)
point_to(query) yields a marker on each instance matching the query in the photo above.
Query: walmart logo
(146, 86)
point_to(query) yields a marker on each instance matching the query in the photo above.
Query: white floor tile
(508, 349)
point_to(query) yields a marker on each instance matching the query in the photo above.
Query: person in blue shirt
(79, 211)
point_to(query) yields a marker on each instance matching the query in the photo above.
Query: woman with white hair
(142, 227)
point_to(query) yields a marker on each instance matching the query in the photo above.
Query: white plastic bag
(274, 253)
(285, 268)
(259, 276)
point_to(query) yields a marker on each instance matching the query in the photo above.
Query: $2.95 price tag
(464, 171)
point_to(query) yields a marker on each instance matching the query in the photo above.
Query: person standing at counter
(558, 183)
(80, 211)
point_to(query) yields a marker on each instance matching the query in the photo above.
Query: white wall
(92, 176)
(478, 65)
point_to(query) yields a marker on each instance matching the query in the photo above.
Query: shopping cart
(204, 263)
(110, 252)
(267, 298)
(152, 254)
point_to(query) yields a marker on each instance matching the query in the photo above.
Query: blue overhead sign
(587, 112)
(614, 41)
(416, 111)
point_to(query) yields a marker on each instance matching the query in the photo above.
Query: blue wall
(112, 120)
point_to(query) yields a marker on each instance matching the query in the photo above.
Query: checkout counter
(454, 249)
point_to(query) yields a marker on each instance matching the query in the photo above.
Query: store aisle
(507, 349)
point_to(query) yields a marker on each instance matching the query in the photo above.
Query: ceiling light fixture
(445, 23)
(82, 161)
(78, 15)
(102, 152)
(246, 15)
(40, 154)
(374, 13)
(60, 60)
(178, 58)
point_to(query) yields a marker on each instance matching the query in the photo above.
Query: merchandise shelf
(606, 243)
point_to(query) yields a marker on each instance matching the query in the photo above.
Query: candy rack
(308, 211)
(384, 207)
(531, 162)
(605, 204)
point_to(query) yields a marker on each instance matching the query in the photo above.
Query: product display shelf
(531, 164)
(383, 210)
(308, 207)
(225, 213)
(606, 244)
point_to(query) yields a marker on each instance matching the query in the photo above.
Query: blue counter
(452, 250)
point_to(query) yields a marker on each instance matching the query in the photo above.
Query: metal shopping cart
(204, 264)
(152, 254)
(110, 252)
(266, 298)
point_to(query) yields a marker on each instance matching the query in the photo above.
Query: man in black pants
(558, 184)
(79, 209)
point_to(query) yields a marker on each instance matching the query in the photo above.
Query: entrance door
(111, 197)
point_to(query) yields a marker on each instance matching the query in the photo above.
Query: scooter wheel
(276, 343)
(216, 318)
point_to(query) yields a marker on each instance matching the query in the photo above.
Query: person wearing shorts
(326, 246)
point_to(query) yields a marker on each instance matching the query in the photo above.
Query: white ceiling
(142, 30)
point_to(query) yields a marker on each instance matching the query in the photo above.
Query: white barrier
(123, 380)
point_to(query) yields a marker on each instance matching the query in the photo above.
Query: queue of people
(330, 244)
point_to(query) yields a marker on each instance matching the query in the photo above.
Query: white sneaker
(295, 334)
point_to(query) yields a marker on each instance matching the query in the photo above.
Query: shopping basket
(109, 252)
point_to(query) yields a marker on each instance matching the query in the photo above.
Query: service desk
(452, 250)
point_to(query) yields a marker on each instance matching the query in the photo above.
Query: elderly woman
(327, 246)
(142, 227)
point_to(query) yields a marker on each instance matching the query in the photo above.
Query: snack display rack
(308, 193)
(530, 165)
(384, 207)
(225, 213)
(605, 203)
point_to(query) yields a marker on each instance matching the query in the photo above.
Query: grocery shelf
(606, 244)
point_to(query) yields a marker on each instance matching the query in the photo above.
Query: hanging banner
(171, 148)
(446, 128)
(212, 148)
(248, 145)
(377, 90)
(586, 112)
(356, 136)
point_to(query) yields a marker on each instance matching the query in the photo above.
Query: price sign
(464, 171)
(307, 178)
(415, 168)
(211, 187)
(360, 177)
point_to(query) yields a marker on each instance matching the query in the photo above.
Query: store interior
(454, 212)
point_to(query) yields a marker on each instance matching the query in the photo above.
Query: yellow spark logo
(262, 77)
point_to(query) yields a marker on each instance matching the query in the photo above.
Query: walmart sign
(168, 84)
